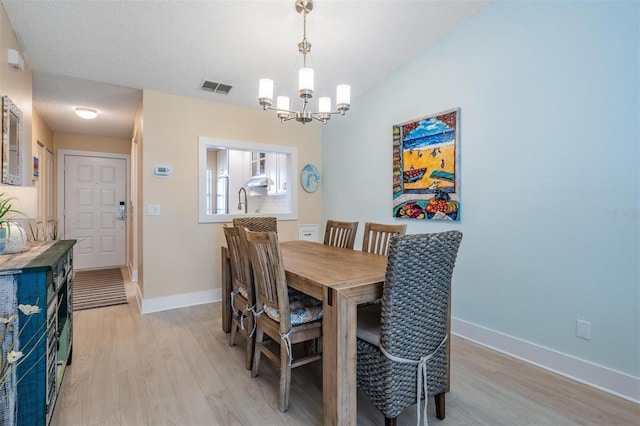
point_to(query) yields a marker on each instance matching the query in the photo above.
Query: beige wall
(180, 255)
(41, 133)
(17, 86)
(91, 143)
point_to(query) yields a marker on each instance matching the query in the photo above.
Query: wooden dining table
(342, 279)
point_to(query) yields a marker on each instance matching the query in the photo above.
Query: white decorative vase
(16, 238)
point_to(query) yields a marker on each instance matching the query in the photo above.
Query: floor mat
(98, 288)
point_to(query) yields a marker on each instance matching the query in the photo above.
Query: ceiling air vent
(215, 87)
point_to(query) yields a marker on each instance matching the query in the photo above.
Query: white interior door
(94, 188)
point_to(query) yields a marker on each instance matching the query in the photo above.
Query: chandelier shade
(306, 86)
(265, 90)
(305, 82)
(283, 106)
(324, 105)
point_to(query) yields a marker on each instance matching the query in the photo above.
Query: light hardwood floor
(176, 368)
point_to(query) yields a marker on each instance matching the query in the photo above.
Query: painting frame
(426, 167)
(36, 168)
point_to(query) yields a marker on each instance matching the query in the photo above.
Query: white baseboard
(603, 378)
(133, 273)
(158, 304)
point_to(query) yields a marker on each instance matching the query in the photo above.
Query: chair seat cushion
(368, 328)
(303, 309)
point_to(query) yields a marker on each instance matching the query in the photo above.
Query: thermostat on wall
(162, 171)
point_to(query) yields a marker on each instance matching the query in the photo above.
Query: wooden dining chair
(378, 235)
(403, 347)
(284, 315)
(242, 296)
(340, 234)
(257, 223)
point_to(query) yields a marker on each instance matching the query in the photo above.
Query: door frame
(62, 153)
(133, 206)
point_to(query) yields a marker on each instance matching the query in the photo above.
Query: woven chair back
(240, 262)
(269, 274)
(340, 234)
(377, 237)
(257, 224)
(416, 293)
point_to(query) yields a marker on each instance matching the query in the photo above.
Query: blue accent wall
(549, 97)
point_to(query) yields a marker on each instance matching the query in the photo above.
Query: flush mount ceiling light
(86, 113)
(305, 86)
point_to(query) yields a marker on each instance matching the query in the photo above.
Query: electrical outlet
(583, 329)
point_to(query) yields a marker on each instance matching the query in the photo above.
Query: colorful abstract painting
(426, 168)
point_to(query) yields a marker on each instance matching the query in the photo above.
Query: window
(250, 166)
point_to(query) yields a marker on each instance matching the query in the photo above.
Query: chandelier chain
(304, 38)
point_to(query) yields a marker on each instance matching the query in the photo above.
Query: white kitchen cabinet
(258, 164)
(277, 172)
(283, 173)
(238, 175)
(223, 162)
(308, 233)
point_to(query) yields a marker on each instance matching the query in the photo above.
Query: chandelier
(305, 86)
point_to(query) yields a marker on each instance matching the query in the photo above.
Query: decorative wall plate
(310, 178)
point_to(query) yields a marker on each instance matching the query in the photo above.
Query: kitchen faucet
(240, 200)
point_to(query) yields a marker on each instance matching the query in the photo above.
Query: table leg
(225, 268)
(339, 386)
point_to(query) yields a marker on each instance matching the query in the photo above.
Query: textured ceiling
(100, 54)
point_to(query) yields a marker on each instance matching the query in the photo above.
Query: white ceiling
(100, 54)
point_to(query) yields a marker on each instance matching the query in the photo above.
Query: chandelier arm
(270, 108)
(288, 111)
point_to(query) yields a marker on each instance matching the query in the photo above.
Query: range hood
(257, 182)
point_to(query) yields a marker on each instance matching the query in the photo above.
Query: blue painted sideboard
(44, 274)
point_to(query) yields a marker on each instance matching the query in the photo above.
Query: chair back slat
(257, 224)
(340, 234)
(377, 237)
(416, 292)
(240, 262)
(269, 274)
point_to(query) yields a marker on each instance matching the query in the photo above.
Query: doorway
(92, 206)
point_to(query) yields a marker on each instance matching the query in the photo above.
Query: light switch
(153, 210)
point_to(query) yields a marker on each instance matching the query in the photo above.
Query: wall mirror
(11, 143)
(237, 178)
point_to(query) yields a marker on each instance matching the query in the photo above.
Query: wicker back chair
(257, 224)
(403, 348)
(243, 298)
(284, 315)
(340, 234)
(377, 237)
